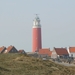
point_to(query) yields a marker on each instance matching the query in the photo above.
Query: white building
(71, 51)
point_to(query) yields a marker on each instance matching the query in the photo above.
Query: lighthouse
(36, 35)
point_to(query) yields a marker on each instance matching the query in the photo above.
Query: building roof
(20, 51)
(10, 48)
(72, 49)
(2, 48)
(61, 51)
(45, 51)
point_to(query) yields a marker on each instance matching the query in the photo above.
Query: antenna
(36, 14)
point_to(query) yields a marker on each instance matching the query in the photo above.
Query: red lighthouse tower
(36, 35)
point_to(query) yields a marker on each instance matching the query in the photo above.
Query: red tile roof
(61, 51)
(2, 48)
(45, 51)
(21, 51)
(9, 48)
(72, 49)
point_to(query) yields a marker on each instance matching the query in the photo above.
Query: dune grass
(20, 64)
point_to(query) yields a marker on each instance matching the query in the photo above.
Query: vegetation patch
(20, 64)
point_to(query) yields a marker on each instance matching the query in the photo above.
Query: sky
(57, 21)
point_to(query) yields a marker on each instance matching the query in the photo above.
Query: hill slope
(18, 64)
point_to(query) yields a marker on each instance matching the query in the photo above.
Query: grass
(19, 64)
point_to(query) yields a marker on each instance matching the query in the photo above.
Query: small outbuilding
(22, 51)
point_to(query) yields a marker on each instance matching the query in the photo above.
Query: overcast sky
(57, 21)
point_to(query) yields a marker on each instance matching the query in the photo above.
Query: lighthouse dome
(36, 21)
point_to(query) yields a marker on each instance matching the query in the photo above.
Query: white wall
(72, 54)
(54, 54)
